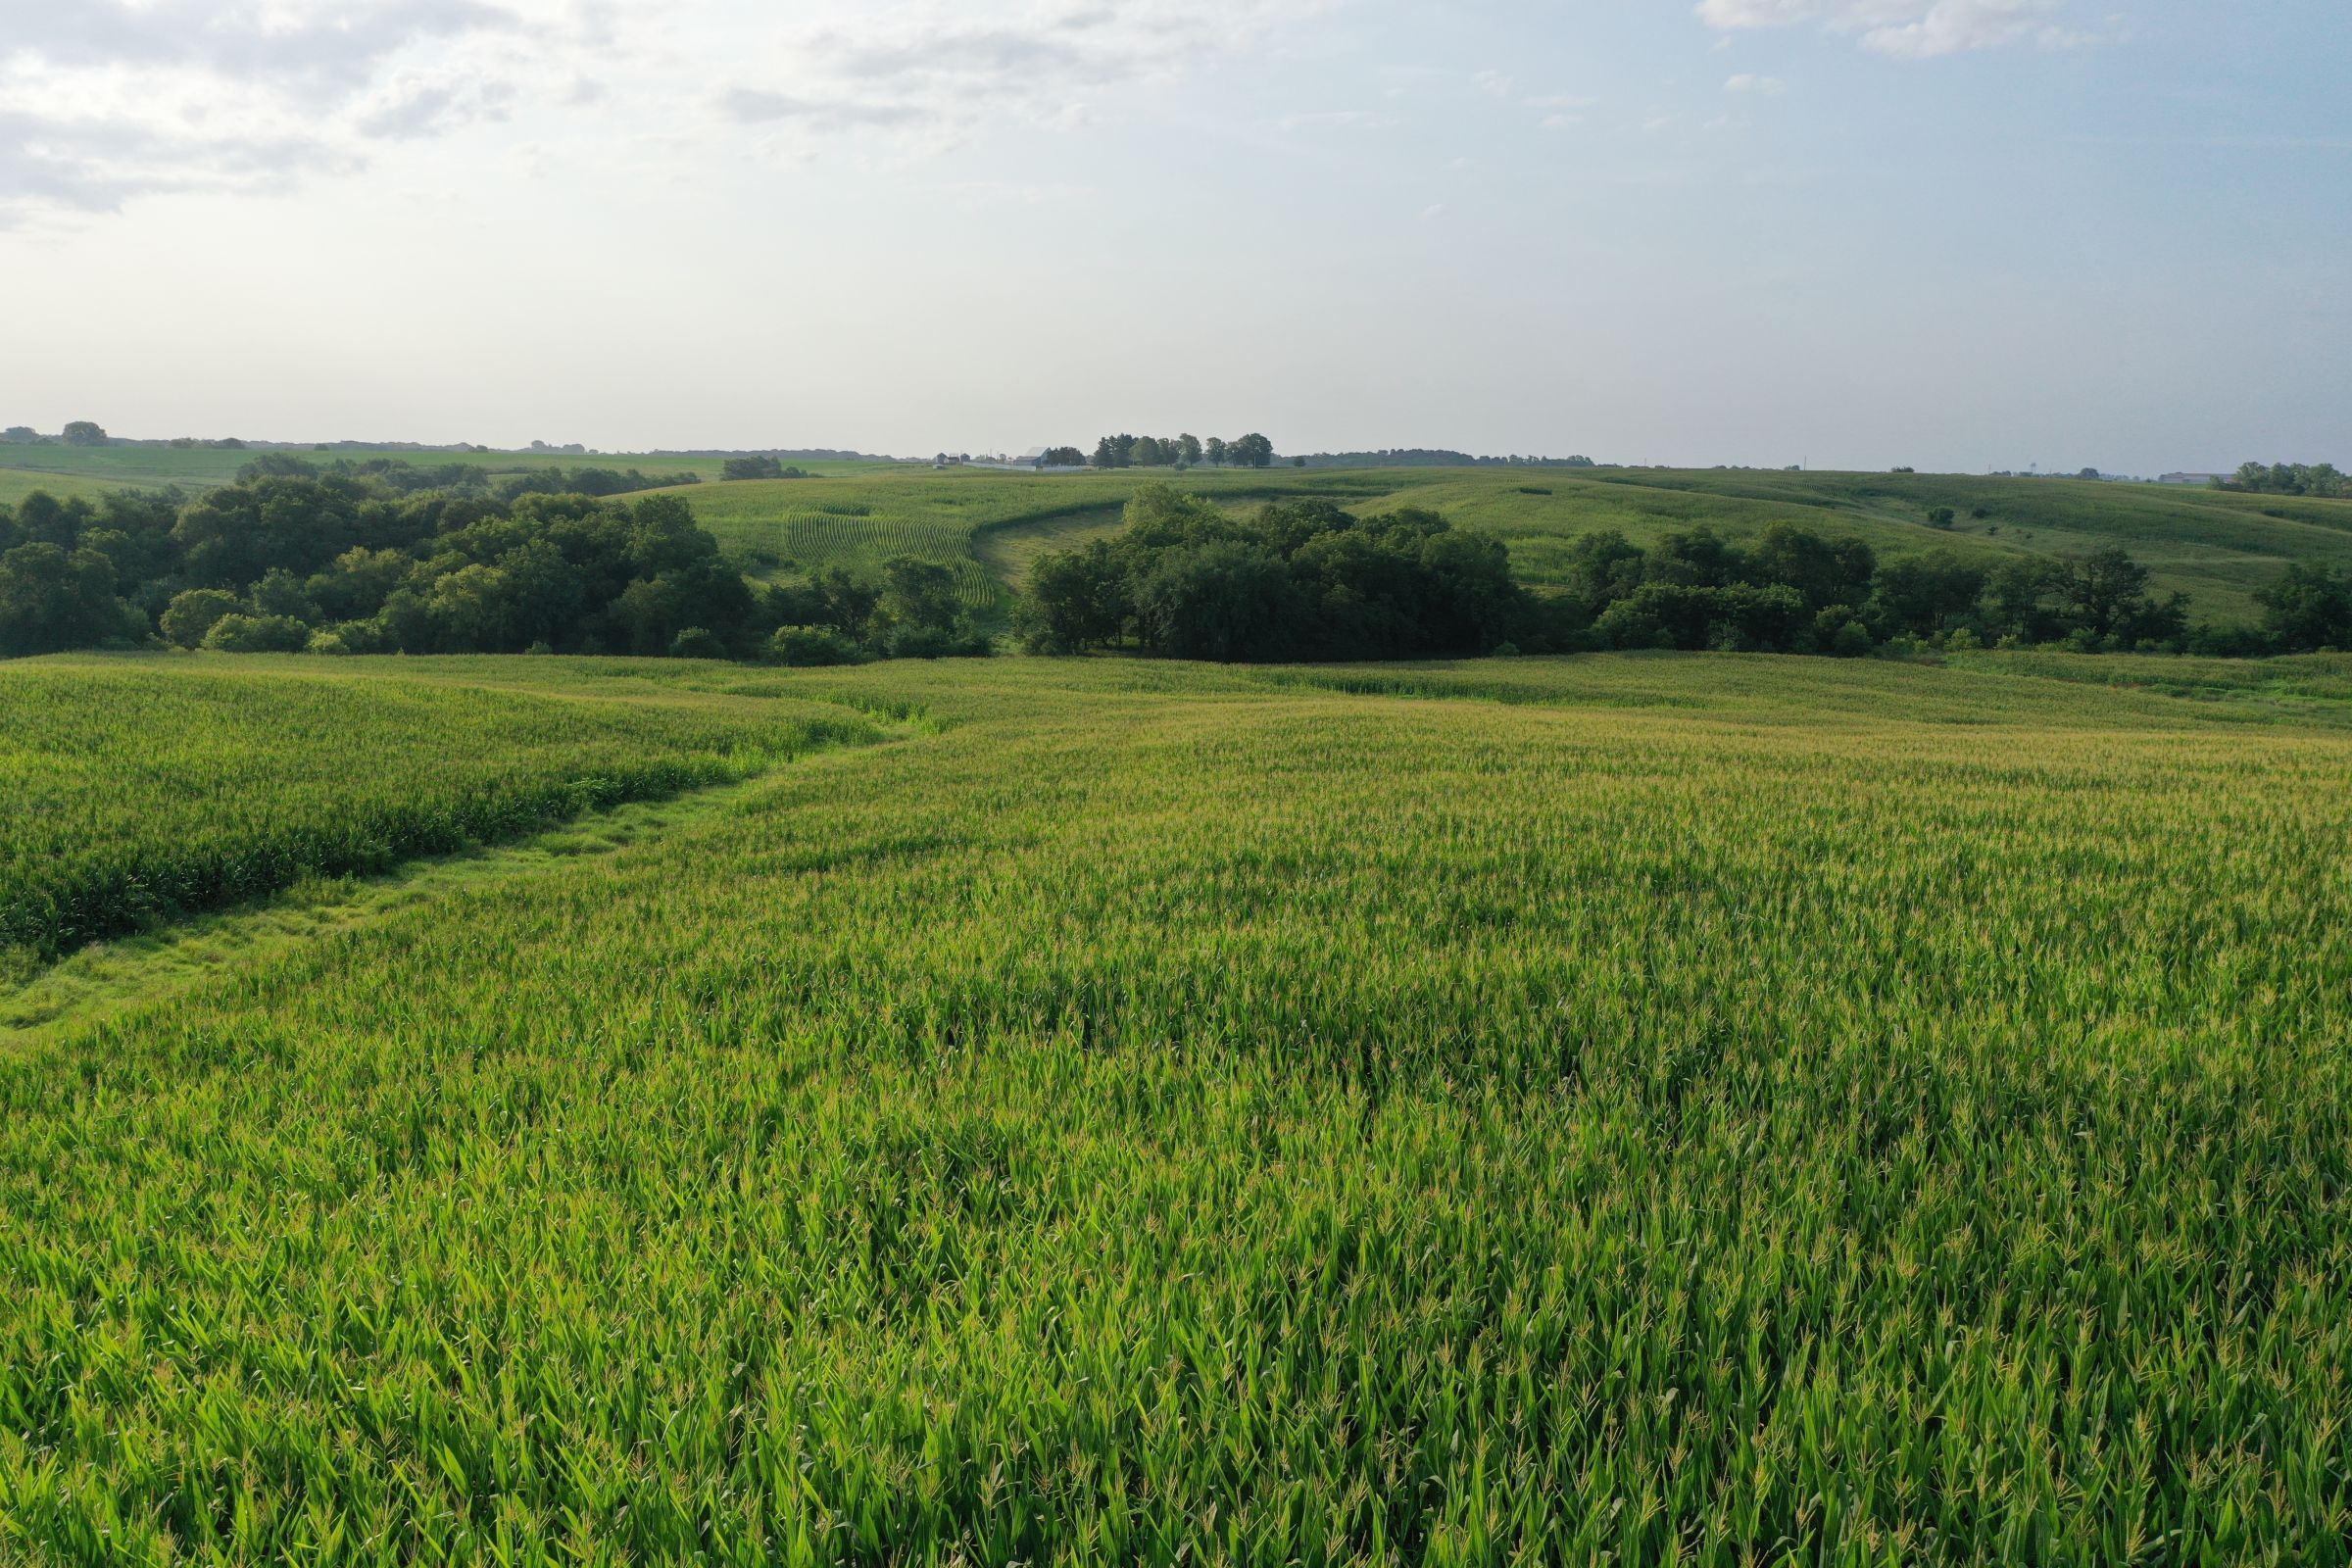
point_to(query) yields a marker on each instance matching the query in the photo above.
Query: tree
(1076, 600)
(1116, 452)
(52, 599)
(1919, 597)
(918, 593)
(2106, 594)
(1214, 450)
(1252, 451)
(1824, 573)
(1149, 452)
(1063, 457)
(257, 634)
(193, 613)
(19, 435)
(1187, 450)
(1225, 601)
(759, 467)
(84, 433)
(2309, 607)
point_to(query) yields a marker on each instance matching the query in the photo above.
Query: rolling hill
(988, 524)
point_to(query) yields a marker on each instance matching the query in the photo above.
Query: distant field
(1634, 1109)
(63, 469)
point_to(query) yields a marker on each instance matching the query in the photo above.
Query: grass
(134, 792)
(1645, 1109)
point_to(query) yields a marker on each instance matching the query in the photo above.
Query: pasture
(1642, 1109)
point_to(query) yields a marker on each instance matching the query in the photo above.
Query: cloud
(1913, 29)
(1334, 120)
(1757, 87)
(104, 101)
(107, 100)
(932, 74)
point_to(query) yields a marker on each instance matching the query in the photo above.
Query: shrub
(257, 634)
(697, 642)
(812, 646)
(192, 615)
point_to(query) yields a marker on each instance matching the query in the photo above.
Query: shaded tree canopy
(1298, 579)
(350, 558)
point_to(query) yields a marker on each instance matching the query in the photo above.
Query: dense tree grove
(348, 563)
(1182, 452)
(1298, 579)
(913, 612)
(759, 467)
(465, 478)
(1793, 591)
(2289, 480)
(2308, 609)
(1303, 579)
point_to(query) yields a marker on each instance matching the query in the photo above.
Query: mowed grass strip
(134, 791)
(1160, 1120)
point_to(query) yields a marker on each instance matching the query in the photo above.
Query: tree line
(1795, 591)
(1251, 451)
(1296, 579)
(2287, 479)
(403, 478)
(1305, 579)
(348, 563)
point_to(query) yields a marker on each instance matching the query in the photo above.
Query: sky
(1958, 234)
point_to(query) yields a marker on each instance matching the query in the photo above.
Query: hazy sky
(1956, 233)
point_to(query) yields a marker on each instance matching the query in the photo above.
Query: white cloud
(102, 101)
(1914, 29)
(1759, 86)
(933, 75)
(108, 99)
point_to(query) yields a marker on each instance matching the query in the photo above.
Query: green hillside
(2217, 548)
(86, 470)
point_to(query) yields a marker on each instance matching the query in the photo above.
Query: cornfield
(1701, 1111)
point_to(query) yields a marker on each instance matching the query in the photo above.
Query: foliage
(2287, 479)
(1794, 591)
(915, 611)
(83, 433)
(288, 550)
(2309, 607)
(1303, 579)
(759, 467)
(1252, 451)
(257, 634)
